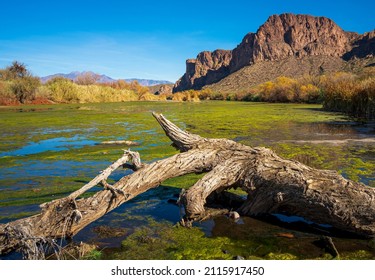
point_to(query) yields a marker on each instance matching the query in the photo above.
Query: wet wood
(273, 185)
(120, 142)
(329, 246)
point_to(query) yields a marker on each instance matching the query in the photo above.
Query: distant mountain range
(103, 78)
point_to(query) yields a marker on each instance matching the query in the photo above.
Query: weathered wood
(273, 184)
(120, 142)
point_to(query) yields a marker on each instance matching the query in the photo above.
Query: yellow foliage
(351, 94)
(65, 91)
(189, 95)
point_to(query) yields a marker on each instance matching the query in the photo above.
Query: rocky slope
(287, 43)
(264, 71)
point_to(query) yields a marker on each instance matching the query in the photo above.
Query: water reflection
(53, 144)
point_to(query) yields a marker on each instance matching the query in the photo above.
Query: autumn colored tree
(87, 78)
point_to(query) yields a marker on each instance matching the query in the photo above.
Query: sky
(145, 39)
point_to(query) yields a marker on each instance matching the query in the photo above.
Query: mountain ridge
(103, 78)
(300, 41)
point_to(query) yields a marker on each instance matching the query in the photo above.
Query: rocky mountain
(102, 78)
(207, 68)
(290, 44)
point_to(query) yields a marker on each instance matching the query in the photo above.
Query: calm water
(46, 152)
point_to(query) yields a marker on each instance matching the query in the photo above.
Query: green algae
(41, 190)
(278, 256)
(93, 255)
(185, 181)
(165, 241)
(357, 255)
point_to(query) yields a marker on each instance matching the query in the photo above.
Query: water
(53, 144)
(46, 154)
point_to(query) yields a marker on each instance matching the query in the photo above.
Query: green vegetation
(93, 255)
(165, 241)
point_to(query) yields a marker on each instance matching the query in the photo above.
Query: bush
(87, 78)
(17, 84)
(25, 88)
(351, 94)
(283, 89)
(63, 90)
(205, 94)
(14, 71)
(7, 96)
(218, 96)
(188, 95)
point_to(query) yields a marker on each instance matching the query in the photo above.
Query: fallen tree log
(273, 185)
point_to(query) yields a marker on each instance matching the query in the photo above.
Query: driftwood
(120, 142)
(273, 185)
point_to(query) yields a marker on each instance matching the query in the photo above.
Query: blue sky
(145, 39)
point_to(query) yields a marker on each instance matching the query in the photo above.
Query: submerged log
(273, 185)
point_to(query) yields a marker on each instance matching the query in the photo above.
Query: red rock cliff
(280, 37)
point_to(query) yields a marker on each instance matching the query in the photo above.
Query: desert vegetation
(61, 90)
(19, 86)
(353, 94)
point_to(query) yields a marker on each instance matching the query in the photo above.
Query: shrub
(188, 95)
(7, 97)
(87, 78)
(309, 93)
(14, 71)
(18, 85)
(62, 90)
(218, 96)
(25, 88)
(351, 94)
(205, 94)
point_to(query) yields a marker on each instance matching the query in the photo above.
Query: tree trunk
(273, 184)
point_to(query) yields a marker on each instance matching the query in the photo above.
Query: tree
(87, 78)
(24, 88)
(17, 70)
(22, 83)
